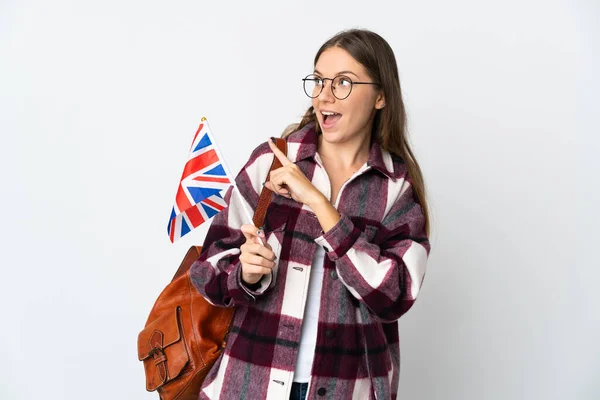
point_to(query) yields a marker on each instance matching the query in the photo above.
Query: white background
(99, 102)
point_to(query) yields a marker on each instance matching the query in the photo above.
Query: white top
(308, 338)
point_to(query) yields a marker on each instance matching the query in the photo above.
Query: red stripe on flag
(199, 162)
(172, 235)
(211, 179)
(196, 135)
(195, 217)
(213, 204)
(181, 199)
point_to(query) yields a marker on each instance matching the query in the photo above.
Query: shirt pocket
(275, 220)
(372, 234)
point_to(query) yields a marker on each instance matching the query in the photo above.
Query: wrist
(253, 286)
(326, 213)
(318, 202)
(251, 279)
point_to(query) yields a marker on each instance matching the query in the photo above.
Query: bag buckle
(158, 354)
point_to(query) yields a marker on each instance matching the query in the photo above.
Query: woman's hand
(256, 259)
(290, 181)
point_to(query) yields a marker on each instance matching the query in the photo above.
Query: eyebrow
(339, 73)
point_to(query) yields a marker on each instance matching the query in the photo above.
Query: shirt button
(321, 391)
(333, 274)
(330, 334)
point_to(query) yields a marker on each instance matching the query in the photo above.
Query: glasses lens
(313, 86)
(342, 86)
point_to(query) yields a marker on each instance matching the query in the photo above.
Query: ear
(380, 101)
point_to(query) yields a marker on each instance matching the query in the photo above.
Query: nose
(326, 94)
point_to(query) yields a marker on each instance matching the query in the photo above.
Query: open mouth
(330, 118)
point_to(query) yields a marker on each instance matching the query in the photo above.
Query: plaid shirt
(374, 266)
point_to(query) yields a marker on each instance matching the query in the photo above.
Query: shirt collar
(307, 139)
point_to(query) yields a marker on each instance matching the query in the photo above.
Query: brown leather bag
(185, 334)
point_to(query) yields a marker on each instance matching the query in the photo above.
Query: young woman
(319, 289)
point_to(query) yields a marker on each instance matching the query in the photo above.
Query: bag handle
(266, 195)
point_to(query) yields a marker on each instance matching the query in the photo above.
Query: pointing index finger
(278, 153)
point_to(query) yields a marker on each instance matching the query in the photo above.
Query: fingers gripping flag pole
(203, 184)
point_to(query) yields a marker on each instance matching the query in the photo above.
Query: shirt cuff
(339, 239)
(252, 286)
(247, 292)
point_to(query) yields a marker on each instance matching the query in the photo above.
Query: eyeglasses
(341, 86)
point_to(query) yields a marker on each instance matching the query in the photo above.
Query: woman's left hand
(289, 181)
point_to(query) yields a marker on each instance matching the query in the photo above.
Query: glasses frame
(352, 83)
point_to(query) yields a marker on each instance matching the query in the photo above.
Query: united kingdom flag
(203, 183)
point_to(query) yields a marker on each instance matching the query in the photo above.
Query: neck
(347, 155)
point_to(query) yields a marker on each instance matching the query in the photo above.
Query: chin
(334, 136)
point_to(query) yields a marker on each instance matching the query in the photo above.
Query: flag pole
(229, 174)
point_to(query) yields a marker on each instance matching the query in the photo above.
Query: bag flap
(161, 333)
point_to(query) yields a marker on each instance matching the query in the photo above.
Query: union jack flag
(203, 183)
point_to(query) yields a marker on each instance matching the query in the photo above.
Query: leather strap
(266, 195)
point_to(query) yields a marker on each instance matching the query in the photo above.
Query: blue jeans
(299, 391)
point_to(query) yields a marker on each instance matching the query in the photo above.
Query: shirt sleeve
(217, 274)
(386, 276)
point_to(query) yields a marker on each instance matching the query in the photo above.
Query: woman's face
(353, 116)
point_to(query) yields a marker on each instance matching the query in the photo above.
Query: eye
(318, 81)
(345, 82)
